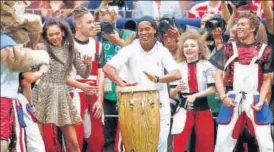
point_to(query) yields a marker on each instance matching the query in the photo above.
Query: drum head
(139, 88)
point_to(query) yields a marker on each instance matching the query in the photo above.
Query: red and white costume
(197, 76)
(243, 67)
(29, 135)
(198, 10)
(93, 131)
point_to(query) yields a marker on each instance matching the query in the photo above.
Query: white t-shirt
(155, 61)
(88, 49)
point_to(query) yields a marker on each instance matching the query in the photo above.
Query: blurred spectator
(55, 8)
(266, 5)
(93, 5)
(186, 6)
(213, 7)
(256, 7)
(157, 9)
(81, 3)
(198, 10)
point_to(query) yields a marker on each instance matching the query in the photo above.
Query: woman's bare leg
(71, 138)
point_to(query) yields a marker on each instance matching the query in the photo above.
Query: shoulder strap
(233, 57)
(97, 49)
(259, 54)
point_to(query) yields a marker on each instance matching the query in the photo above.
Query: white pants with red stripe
(227, 134)
(28, 138)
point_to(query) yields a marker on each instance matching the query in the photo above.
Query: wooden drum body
(139, 118)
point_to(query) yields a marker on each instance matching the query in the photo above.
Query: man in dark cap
(146, 59)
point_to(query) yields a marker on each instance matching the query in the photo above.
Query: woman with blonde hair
(198, 82)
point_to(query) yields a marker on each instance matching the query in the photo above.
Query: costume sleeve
(16, 59)
(83, 69)
(267, 61)
(210, 73)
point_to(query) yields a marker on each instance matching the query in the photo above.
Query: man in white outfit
(146, 59)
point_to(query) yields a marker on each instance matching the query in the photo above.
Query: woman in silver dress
(50, 97)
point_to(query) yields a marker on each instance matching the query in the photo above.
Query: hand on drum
(126, 84)
(97, 109)
(118, 88)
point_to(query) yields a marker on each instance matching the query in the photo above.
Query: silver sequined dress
(50, 97)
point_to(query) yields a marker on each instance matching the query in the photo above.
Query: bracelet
(223, 98)
(157, 79)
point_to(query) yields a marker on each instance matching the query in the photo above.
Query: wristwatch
(157, 79)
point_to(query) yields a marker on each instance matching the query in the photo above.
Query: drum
(139, 118)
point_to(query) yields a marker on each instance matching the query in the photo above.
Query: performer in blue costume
(243, 79)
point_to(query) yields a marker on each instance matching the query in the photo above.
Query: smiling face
(86, 24)
(146, 33)
(55, 35)
(244, 29)
(191, 50)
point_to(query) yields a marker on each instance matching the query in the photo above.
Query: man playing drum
(146, 59)
(243, 79)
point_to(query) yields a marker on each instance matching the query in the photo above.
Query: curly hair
(253, 20)
(196, 36)
(105, 10)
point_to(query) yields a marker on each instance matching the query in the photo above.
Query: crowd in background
(136, 9)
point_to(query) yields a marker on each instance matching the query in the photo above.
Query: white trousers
(164, 132)
(34, 140)
(225, 141)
